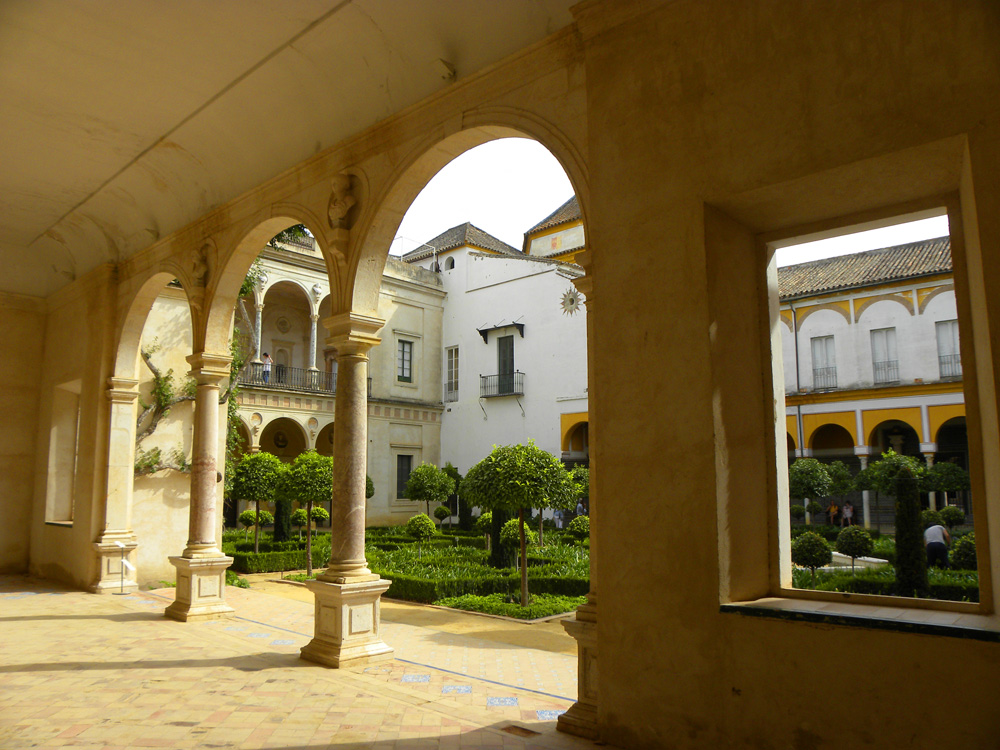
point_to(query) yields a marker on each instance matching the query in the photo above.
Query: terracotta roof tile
(460, 236)
(863, 269)
(568, 211)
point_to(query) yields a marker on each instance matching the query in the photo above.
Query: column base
(109, 559)
(347, 624)
(581, 718)
(201, 589)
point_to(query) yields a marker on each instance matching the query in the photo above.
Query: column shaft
(312, 342)
(259, 325)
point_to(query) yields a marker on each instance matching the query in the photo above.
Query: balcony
(450, 392)
(284, 378)
(886, 372)
(951, 365)
(504, 384)
(824, 378)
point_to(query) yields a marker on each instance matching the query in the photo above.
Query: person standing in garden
(847, 516)
(937, 540)
(831, 511)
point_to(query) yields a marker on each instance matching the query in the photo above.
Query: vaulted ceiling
(124, 121)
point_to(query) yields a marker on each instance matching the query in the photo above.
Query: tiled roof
(460, 236)
(568, 211)
(864, 269)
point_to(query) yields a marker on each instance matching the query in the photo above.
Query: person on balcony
(266, 359)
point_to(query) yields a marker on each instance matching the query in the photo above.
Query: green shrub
(579, 527)
(420, 527)
(952, 516)
(911, 557)
(813, 507)
(811, 551)
(442, 512)
(798, 512)
(949, 585)
(854, 542)
(542, 605)
(234, 580)
(930, 518)
(483, 523)
(273, 562)
(963, 553)
(885, 549)
(510, 535)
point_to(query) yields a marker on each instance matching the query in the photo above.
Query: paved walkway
(80, 670)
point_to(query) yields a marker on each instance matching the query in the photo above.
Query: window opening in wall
(449, 264)
(64, 443)
(404, 467)
(404, 361)
(451, 374)
(505, 364)
(842, 316)
(885, 365)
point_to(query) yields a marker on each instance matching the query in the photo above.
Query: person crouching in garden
(937, 540)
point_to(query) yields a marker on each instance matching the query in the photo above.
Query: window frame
(872, 334)
(452, 364)
(404, 347)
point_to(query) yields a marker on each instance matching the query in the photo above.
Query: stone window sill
(876, 617)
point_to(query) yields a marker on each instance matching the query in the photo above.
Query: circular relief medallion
(283, 325)
(280, 440)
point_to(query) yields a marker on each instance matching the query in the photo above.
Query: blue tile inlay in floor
(456, 689)
(416, 678)
(549, 715)
(282, 643)
(501, 701)
(258, 635)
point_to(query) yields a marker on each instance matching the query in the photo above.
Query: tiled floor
(80, 670)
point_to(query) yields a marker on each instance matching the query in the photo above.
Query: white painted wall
(487, 291)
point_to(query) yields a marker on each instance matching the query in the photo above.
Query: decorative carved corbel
(342, 200)
(200, 273)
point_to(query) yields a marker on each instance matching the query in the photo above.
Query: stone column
(258, 324)
(117, 540)
(312, 369)
(865, 497)
(201, 569)
(347, 593)
(929, 449)
(581, 718)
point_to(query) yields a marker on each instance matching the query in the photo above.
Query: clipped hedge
(274, 562)
(948, 585)
(268, 546)
(827, 531)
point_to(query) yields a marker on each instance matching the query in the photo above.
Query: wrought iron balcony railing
(284, 378)
(504, 384)
(951, 365)
(887, 371)
(824, 378)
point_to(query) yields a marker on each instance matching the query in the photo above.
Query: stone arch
(888, 429)
(296, 438)
(805, 312)
(906, 300)
(449, 263)
(324, 440)
(925, 300)
(375, 231)
(134, 320)
(831, 436)
(234, 262)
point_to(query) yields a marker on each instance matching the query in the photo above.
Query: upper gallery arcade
(171, 143)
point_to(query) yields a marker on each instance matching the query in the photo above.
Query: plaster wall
(742, 102)
(161, 501)
(486, 291)
(78, 338)
(565, 239)
(22, 338)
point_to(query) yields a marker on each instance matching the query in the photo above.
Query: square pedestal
(110, 568)
(581, 718)
(201, 588)
(347, 624)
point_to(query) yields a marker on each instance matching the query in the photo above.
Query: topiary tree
(952, 516)
(430, 484)
(510, 534)
(255, 481)
(282, 509)
(247, 519)
(465, 519)
(855, 542)
(369, 488)
(420, 527)
(442, 512)
(319, 515)
(808, 479)
(519, 478)
(300, 518)
(963, 553)
(911, 556)
(946, 477)
(483, 525)
(841, 481)
(798, 512)
(264, 518)
(309, 480)
(579, 528)
(810, 550)
(930, 518)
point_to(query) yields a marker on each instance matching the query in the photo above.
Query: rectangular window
(949, 355)
(404, 361)
(884, 362)
(404, 465)
(451, 376)
(505, 364)
(824, 362)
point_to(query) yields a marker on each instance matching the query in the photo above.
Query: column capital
(862, 450)
(208, 368)
(352, 333)
(123, 390)
(926, 448)
(314, 317)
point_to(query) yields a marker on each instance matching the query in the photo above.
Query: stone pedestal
(109, 558)
(347, 623)
(201, 584)
(581, 718)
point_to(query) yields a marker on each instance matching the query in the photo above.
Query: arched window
(449, 264)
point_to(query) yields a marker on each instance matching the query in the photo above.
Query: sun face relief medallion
(570, 302)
